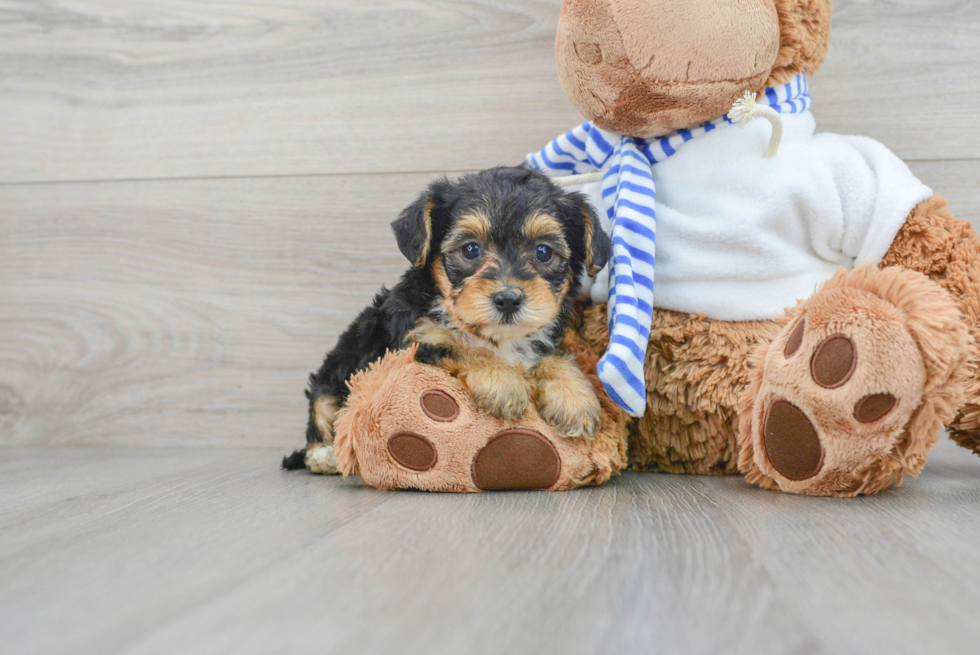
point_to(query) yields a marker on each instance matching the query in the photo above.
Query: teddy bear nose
(508, 301)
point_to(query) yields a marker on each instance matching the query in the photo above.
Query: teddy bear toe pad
(833, 361)
(413, 451)
(439, 405)
(874, 407)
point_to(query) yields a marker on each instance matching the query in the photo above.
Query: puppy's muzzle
(508, 302)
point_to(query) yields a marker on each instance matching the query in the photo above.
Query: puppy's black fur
(507, 196)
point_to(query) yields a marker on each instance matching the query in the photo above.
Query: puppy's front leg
(565, 397)
(496, 387)
(437, 345)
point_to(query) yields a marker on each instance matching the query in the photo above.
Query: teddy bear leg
(853, 391)
(408, 425)
(947, 249)
(696, 369)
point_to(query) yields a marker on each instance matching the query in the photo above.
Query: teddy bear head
(648, 67)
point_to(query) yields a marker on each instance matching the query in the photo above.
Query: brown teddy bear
(842, 394)
(845, 392)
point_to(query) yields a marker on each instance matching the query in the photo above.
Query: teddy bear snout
(646, 69)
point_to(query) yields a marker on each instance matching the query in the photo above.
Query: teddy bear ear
(413, 229)
(804, 28)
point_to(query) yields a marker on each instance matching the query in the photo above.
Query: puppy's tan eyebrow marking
(545, 226)
(470, 226)
(542, 225)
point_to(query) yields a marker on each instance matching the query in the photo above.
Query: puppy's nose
(508, 301)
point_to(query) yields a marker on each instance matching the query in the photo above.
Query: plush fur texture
(696, 369)
(947, 249)
(804, 39)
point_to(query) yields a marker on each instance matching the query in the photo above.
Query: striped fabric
(629, 195)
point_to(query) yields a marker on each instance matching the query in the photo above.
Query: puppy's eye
(471, 251)
(544, 253)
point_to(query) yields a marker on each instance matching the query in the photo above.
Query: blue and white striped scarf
(629, 195)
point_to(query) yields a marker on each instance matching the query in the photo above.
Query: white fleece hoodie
(741, 237)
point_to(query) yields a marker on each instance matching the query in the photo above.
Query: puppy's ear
(598, 246)
(413, 230)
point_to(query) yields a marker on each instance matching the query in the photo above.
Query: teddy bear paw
(412, 426)
(449, 445)
(830, 413)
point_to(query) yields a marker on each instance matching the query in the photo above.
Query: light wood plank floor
(194, 201)
(188, 550)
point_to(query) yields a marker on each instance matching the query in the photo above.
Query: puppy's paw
(566, 399)
(573, 412)
(321, 459)
(501, 391)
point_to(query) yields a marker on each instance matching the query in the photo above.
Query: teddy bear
(792, 306)
(846, 390)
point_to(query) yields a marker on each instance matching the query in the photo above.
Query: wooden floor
(213, 550)
(194, 201)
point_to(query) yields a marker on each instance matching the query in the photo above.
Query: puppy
(496, 262)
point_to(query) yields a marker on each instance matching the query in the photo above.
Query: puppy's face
(504, 276)
(505, 248)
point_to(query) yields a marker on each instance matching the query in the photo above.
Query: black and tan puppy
(497, 256)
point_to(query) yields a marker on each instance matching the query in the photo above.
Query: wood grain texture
(130, 550)
(903, 72)
(151, 89)
(957, 181)
(127, 89)
(185, 311)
